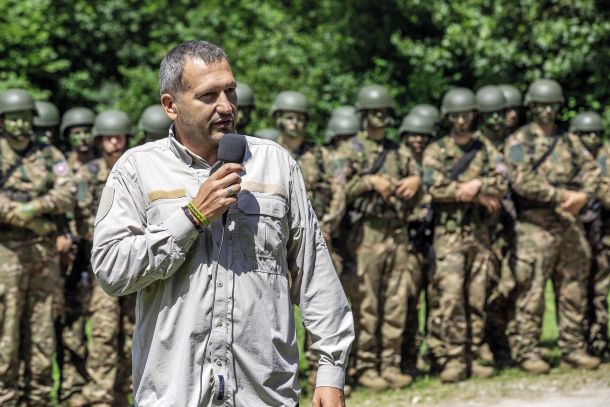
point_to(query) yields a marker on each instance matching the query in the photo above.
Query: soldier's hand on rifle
(381, 184)
(574, 201)
(490, 202)
(63, 244)
(23, 212)
(407, 187)
(467, 191)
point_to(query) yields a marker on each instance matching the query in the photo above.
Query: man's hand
(490, 202)
(574, 201)
(381, 184)
(23, 212)
(328, 397)
(468, 190)
(63, 244)
(407, 187)
(219, 191)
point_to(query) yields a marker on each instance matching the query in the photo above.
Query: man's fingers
(227, 169)
(229, 179)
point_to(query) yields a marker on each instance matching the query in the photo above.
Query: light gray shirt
(214, 316)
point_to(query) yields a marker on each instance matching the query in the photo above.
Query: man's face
(80, 138)
(512, 117)
(494, 121)
(461, 121)
(292, 124)
(376, 119)
(206, 107)
(114, 145)
(17, 128)
(544, 113)
(417, 142)
(592, 140)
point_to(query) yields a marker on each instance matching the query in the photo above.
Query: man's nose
(224, 104)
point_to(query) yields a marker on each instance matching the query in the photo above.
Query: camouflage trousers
(457, 295)
(29, 277)
(382, 261)
(598, 286)
(109, 360)
(557, 250)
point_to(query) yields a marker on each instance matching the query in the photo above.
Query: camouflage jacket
(40, 174)
(90, 181)
(569, 166)
(399, 163)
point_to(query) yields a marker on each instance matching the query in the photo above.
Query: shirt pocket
(261, 231)
(160, 210)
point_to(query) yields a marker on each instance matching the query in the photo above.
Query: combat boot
(395, 378)
(535, 365)
(479, 370)
(453, 372)
(371, 380)
(580, 359)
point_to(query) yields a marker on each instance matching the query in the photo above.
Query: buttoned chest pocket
(261, 232)
(160, 210)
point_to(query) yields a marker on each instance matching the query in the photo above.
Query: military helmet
(417, 124)
(426, 110)
(112, 122)
(289, 101)
(154, 120)
(341, 126)
(76, 116)
(48, 114)
(374, 97)
(343, 111)
(587, 122)
(512, 95)
(458, 100)
(16, 100)
(544, 91)
(245, 96)
(267, 134)
(490, 99)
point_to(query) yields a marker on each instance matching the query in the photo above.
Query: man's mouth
(223, 124)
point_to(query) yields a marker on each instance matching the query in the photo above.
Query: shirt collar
(184, 154)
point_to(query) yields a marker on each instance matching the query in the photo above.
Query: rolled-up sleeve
(129, 253)
(316, 288)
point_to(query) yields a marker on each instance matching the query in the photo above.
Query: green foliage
(106, 54)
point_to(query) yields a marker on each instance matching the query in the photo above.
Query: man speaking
(214, 319)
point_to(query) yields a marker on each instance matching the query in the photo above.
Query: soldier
(382, 181)
(588, 127)
(267, 134)
(154, 123)
(463, 173)
(346, 110)
(245, 105)
(553, 176)
(76, 124)
(35, 183)
(112, 319)
(426, 110)
(46, 123)
(341, 127)
(417, 132)
(513, 107)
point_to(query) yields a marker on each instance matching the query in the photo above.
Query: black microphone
(231, 149)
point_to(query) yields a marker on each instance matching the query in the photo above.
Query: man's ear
(169, 105)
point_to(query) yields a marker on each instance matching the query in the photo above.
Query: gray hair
(172, 66)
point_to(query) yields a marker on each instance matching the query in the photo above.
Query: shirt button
(218, 322)
(220, 284)
(218, 362)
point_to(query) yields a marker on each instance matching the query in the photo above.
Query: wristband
(192, 218)
(202, 219)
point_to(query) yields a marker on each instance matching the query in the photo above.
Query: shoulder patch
(516, 153)
(106, 202)
(93, 166)
(61, 168)
(603, 164)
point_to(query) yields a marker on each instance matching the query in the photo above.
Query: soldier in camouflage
(417, 132)
(426, 110)
(465, 176)
(382, 181)
(35, 183)
(588, 127)
(112, 319)
(154, 123)
(553, 176)
(245, 106)
(46, 123)
(513, 107)
(76, 124)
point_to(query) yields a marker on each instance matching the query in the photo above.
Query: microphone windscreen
(232, 148)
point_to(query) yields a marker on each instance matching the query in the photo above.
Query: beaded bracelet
(202, 219)
(192, 218)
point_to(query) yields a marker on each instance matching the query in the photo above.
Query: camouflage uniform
(112, 318)
(29, 271)
(462, 248)
(549, 242)
(381, 246)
